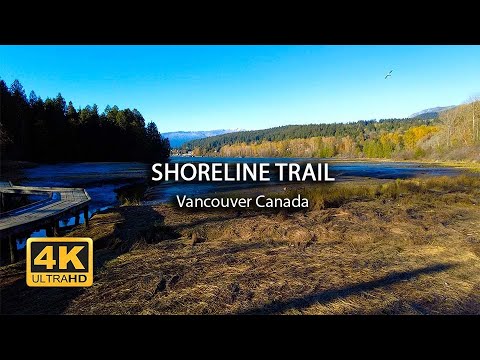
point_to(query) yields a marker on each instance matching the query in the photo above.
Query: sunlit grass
(396, 247)
(326, 196)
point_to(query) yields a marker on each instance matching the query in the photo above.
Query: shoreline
(160, 260)
(20, 164)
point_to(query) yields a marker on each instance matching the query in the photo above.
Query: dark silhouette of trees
(50, 131)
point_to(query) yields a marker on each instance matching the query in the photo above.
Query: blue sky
(249, 87)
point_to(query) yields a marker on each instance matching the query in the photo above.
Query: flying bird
(389, 74)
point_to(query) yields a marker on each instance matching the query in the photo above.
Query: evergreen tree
(40, 131)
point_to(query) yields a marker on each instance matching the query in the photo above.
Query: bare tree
(474, 102)
(448, 119)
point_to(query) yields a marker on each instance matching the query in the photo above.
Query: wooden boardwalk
(59, 203)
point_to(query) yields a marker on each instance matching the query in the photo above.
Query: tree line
(385, 145)
(453, 135)
(360, 129)
(51, 130)
(374, 139)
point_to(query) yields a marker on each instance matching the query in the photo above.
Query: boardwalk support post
(49, 231)
(13, 249)
(56, 228)
(85, 216)
(44, 214)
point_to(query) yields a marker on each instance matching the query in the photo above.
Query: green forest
(452, 135)
(50, 130)
(360, 128)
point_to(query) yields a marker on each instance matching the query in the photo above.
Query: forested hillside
(454, 135)
(288, 132)
(49, 130)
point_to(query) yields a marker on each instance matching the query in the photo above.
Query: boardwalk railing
(60, 203)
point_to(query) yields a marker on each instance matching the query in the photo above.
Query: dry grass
(334, 195)
(472, 166)
(405, 247)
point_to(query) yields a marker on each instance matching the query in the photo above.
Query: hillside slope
(360, 128)
(453, 135)
(431, 113)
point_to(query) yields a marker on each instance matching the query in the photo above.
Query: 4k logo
(60, 262)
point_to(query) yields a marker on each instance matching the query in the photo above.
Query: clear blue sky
(249, 87)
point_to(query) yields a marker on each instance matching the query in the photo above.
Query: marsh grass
(400, 247)
(323, 196)
(132, 194)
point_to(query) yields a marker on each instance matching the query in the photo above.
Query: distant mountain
(178, 138)
(431, 113)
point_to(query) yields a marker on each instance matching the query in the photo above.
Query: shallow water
(99, 179)
(102, 179)
(342, 170)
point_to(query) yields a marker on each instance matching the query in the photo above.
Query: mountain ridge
(178, 138)
(432, 112)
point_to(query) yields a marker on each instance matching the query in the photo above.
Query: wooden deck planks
(66, 203)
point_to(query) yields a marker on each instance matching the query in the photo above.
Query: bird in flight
(389, 74)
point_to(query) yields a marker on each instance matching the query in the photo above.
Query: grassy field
(399, 247)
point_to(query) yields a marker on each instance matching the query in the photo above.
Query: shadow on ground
(323, 297)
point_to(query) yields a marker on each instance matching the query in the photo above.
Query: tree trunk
(473, 121)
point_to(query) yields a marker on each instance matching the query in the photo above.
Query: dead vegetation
(403, 247)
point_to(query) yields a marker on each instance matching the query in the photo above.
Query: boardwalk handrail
(86, 194)
(70, 201)
(36, 203)
(45, 213)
